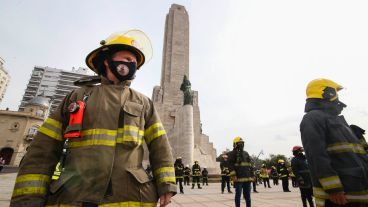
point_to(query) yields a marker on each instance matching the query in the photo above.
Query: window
(33, 130)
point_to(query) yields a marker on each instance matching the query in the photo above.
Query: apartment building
(51, 83)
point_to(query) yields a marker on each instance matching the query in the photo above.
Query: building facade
(51, 83)
(19, 128)
(4, 79)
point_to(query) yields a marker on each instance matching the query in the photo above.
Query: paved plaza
(208, 196)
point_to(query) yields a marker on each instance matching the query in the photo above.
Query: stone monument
(174, 100)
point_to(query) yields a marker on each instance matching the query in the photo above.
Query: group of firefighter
(183, 174)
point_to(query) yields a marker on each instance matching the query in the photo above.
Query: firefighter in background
(179, 173)
(264, 175)
(283, 174)
(241, 170)
(359, 132)
(300, 168)
(196, 175)
(255, 180)
(225, 174)
(204, 176)
(274, 175)
(293, 178)
(105, 139)
(336, 158)
(187, 171)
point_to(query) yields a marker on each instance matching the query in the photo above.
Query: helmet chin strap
(113, 65)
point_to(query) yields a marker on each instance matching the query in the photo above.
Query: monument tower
(181, 119)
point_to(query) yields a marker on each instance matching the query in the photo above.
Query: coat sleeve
(313, 133)
(160, 155)
(38, 165)
(232, 159)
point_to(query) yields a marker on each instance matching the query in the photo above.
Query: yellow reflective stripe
(99, 131)
(54, 123)
(29, 190)
(232, 173)
(32, 177)
(109, 143)
(129, 204)
(319, 202)
(165, 174)
(50, 133)
(90, 137)
(30, 184)
(319, 193)
(154, 131)
(330, 182)
(154, 126)
(346, 147)
(130, 134)
(170, 179)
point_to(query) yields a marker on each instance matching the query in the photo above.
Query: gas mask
(123, 70)
(240, 146)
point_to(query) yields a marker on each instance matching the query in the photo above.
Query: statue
(186, 88)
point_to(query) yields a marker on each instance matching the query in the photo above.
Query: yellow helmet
(237, 139)
(280, 161)
(134, 41)
(323, 89)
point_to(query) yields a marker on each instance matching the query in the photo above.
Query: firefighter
(336, 158)
(254, 181)
(187, 171)
(241, 170)
(196, 175)
(274, 175)
(283, 174)
(179, 173)
(264, 175)
(225, 174)
(300, 168)
(204, 176)
(105, 123)
(293, 178)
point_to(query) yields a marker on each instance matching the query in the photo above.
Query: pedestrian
(105, 122)
(196, 175)
(336, 158)
(274, 175)
(283, 174)
(179, 173)
(204, 176)
(225, 174)
(265, 176)
(300, 168)
(240, 165)
(187, 171)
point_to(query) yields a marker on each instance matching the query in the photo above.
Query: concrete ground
(208, 196)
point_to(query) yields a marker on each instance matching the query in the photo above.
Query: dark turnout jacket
(336, 158)
(299, 165)
(240, 166)
(104, 165)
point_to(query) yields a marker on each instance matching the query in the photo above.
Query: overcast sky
(249, 60)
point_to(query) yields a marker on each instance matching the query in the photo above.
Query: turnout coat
(336, 158)
(104, 165)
